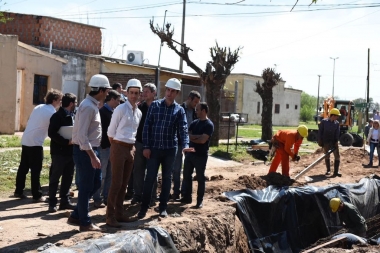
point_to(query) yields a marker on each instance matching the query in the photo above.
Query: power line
(143, 7)
(236, 14)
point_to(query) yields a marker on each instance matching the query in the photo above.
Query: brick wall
(65, 35)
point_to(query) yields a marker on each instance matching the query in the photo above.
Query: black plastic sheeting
(150, 240)
(289, 219)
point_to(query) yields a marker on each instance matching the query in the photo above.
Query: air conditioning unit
(135, 57)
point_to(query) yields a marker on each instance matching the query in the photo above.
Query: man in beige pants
(122, 134)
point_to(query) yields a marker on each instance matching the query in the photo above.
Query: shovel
(309, 179)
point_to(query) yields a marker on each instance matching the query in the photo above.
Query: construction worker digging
(282, 142)
(349, 214)
(328, 136)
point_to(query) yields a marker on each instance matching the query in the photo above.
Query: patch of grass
(13, 141)
(9, 162)
(9, 141)
(238, 155)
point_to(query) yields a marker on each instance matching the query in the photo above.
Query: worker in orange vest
(283, 141)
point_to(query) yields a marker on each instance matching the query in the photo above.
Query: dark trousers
(61, 166)
(90, 180)
(139, 171)
(199, 163)
(164, 157)
(31, 158)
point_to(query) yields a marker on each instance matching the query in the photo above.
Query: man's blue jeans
(90, 180)
(177, 172)
(139, 171)
(104, 156)
(199, 163)
(166, 158)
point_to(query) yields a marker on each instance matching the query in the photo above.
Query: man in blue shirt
(328, 137)
(200, 132)
(164, 118)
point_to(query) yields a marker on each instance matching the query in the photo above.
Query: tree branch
(166, 35)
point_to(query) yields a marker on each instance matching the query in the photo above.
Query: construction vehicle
(346, 121)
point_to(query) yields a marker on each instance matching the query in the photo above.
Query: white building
(286, 101)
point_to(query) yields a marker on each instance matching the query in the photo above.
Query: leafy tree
(307, 113)
(265, 90)
(213, 77)
(308, 107)
(3, 19)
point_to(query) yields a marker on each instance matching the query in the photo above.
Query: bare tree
(214, 77)
(265, 90)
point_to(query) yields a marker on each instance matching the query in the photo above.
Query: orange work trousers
(283, 157)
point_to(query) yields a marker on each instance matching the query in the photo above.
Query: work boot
(336, 169)
(369, 165)
(328, 168)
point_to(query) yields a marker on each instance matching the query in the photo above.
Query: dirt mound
(261, 182)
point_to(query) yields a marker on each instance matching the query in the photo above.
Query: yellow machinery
(346, 121)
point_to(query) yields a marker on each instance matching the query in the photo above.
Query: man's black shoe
(186, 200)
(199, 205)
(20, 196)
(128, 196)
(68, 206)
(142, 214)
(135, 201)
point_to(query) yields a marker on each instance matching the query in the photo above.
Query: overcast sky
(298, 43)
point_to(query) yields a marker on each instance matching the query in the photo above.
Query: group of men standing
(107, 144)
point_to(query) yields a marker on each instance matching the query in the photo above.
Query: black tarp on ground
(289, 219)
(150, 240)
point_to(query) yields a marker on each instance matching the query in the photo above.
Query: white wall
(281, 96)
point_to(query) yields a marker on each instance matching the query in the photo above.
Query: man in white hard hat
(122, 134)
(164, 119)
(87, 133)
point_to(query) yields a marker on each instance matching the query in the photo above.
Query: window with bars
(277, 108)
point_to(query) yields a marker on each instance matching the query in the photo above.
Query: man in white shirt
(122, 134)
(32, 141)
(87, 133)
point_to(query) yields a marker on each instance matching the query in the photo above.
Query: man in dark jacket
(328, 137)
(61, 150)
(189, 105)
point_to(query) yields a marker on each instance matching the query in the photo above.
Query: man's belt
(124, 144)
(373, 140)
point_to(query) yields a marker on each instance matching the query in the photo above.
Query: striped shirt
(161, 125)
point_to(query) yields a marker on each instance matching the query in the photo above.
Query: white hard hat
(99, 81)
(134, 83)
(173, 83)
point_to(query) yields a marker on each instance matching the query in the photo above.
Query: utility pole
(333, 75)
(182, 35)
(319, 80)
(367, 89)
(157, 77)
